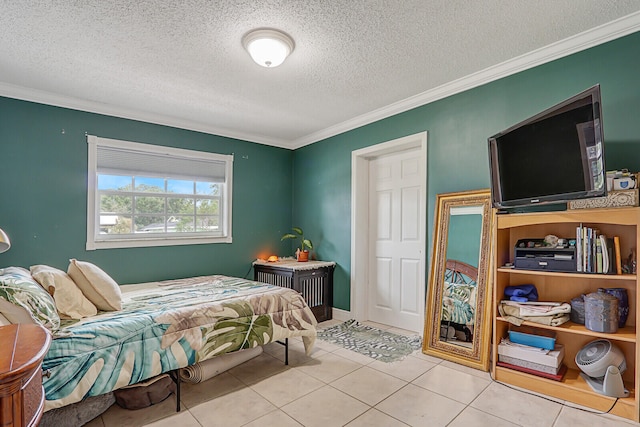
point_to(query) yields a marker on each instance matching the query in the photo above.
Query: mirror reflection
(457, 322)
(459, 300)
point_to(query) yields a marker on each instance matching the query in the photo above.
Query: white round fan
(602, 364)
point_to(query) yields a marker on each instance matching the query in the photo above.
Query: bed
(459, 299)
(164, 326)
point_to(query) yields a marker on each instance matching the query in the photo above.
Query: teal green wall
(44, 154)
(43, 205)
(458, 127)
(463, 241)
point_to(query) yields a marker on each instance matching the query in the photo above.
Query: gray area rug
(373, 342)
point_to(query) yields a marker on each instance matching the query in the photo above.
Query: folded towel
(531, 310)
(521, 293)
(512, 315)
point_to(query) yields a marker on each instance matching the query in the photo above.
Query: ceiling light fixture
(268, 47)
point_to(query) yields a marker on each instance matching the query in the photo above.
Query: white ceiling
(181, 63)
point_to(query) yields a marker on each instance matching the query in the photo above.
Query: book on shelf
(555, 377)
(579, 261)
(537, 358)
(599, 266)
(616, 244)
(597, 253)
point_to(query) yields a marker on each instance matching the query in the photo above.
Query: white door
(396, 274)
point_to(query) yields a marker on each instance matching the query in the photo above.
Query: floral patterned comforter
(169, 325)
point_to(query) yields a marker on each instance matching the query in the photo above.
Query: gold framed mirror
(458, 309)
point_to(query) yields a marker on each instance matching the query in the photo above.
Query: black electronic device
(553, 157)
(532, 254)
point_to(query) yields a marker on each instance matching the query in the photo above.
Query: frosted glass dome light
(268, 48)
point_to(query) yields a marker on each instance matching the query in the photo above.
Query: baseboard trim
(340, 314)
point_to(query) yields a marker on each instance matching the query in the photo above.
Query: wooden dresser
(22, 349)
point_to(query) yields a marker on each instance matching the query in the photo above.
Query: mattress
(169, 325)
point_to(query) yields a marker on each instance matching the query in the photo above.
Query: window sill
(144, 243)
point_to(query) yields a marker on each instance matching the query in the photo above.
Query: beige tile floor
(337, 387)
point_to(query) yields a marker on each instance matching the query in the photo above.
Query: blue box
(533, 340)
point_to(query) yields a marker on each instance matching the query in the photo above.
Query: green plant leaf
(297, 230)
(289, 236)
(234, 333)
(307, 242)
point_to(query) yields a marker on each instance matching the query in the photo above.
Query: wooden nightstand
(22, 349)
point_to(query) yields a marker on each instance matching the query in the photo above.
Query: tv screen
(552, 157)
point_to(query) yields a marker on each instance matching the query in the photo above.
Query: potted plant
(302, 253)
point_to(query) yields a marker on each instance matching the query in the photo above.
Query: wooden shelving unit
(558, 286)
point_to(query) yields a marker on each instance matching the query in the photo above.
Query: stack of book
(535, 360)
(596, 253)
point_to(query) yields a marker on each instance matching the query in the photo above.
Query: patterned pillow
(69, 299)
(23, 300)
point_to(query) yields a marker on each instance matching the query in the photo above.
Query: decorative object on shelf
(577, 310)
(621, 180)
(268, 47)
(302, 254)
(459, 282)
(551, 240)
(630, 266)
(623, 303)
(601, 312)
(273, 258)
(621, 191)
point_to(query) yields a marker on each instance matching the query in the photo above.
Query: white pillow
(68, 297)
(96, 285)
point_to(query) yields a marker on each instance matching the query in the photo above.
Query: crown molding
(49, 98)
(594, 37)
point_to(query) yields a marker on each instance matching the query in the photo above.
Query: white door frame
(360, 217)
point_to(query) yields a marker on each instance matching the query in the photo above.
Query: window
(147, 195)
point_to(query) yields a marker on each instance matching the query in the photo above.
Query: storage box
(614, 199)
(545, 263)
(533, 337)
(532, 254)
(529, 365)
(549, 358)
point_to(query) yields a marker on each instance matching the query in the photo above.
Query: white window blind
(147, 195)
(123, 161)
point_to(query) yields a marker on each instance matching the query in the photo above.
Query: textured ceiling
(181, 63)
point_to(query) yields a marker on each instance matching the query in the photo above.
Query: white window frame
(97, 241)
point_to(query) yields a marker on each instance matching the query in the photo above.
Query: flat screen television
(553, 157)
